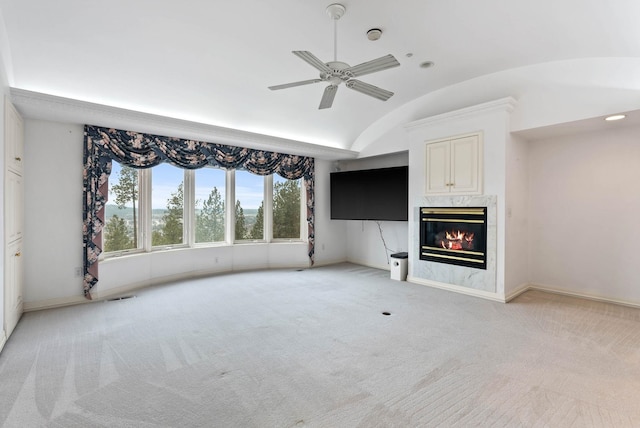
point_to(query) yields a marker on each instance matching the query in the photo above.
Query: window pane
(167, 199)
(122, 212)
(286, 208)
(210, 197)
(249, 206)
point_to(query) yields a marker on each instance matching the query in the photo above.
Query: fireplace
(454, 235)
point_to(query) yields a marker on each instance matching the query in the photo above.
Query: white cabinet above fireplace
(454, 166)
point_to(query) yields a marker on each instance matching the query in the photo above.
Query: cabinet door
(13, 287)
(13, 206)
(465, 166)
(14, 138)
(438, 168)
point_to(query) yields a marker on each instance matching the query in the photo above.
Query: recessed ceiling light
(615, 117)
(427, 64)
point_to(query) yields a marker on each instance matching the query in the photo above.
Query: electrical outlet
(78, 271)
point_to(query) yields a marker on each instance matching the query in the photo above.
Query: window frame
(145, 183)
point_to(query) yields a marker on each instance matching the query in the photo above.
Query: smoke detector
(374, 34)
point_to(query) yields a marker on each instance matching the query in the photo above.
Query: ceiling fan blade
(292, 84)
(382, 63)
(367, 89)
(328, 96)
(312, 60)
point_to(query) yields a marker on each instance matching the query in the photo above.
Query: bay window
(144, 192)
(184, 208)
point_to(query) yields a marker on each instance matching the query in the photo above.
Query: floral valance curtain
(137, 150)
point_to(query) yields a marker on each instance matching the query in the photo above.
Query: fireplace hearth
(454, 235)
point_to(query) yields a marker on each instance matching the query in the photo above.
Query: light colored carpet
(288, 348)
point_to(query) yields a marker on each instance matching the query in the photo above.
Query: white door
(14, 137)
(13, 207)
(13, 287)
(13, 217)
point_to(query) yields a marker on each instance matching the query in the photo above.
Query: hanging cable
(386, 249)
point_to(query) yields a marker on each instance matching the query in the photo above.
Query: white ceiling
(211, 61)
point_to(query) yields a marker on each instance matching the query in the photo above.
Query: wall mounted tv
(371, 194)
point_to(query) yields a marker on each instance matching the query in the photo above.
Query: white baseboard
(522, 288)
(3, 340)
(100, 295)
(54, 303)
(458, 289)
(329, 262)
(595, 297)
(129, 288)
(367, 264)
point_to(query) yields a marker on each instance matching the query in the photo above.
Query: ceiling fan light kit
(336, 72)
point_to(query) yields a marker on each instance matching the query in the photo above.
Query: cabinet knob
(18, 254)
(19, 159)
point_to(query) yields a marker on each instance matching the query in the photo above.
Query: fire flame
(457, 240)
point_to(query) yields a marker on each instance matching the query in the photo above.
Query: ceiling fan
(336, 72)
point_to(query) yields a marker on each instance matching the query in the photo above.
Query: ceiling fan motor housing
(338, 73)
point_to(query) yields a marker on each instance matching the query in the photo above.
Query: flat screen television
(370, 194)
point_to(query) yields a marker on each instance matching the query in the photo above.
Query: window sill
(219, 245)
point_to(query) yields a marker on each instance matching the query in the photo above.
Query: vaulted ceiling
(212, 62)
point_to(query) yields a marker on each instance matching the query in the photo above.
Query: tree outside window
(121, 216)
(168, 217)
(257, 231)
(286, 208)
(210, 207)
(249, 221)
(240, 222)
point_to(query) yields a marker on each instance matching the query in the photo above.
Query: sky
(166, 178)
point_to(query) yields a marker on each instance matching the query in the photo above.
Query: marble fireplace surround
(479, 282)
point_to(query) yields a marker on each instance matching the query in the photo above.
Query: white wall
(53, 210)
(331, 235)
(53, 230)
(366, 239)
(584, 201)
